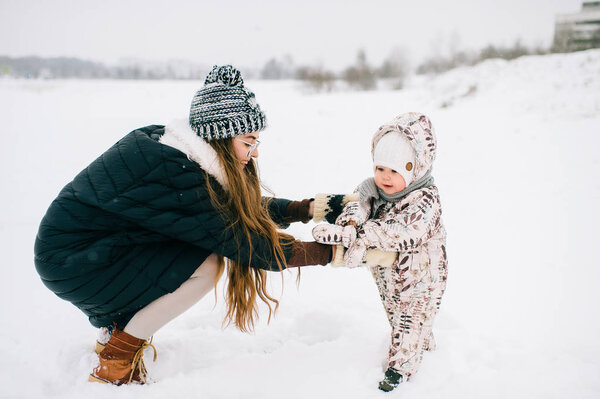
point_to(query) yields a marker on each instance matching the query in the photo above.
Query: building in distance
(578, 31)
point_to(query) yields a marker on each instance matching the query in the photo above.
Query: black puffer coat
(134, 225)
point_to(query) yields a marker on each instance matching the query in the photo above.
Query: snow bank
(518, 172)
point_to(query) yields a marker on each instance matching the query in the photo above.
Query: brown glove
(306, 253)
(298, 211)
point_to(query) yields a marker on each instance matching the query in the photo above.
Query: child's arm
(343, 233)
(403, 229)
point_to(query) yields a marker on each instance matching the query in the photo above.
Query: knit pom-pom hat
(224, 108)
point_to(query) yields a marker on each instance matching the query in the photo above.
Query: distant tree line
(464, 58)
(394, 69)
(455, 59)
(68, 67)
(361, 75)
(62, 67)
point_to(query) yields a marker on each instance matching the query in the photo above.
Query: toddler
(395, 229)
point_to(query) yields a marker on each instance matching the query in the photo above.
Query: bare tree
(360, 75)
(272, 70)
(317, 78)
(395, 66)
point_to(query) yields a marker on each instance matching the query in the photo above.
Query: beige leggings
(162, 310)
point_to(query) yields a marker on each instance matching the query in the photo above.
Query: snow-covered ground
(519, 175)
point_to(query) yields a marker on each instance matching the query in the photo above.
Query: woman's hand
(311, 209)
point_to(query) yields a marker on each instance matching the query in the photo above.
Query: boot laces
(138, 359)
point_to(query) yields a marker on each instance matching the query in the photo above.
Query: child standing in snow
(399, 214)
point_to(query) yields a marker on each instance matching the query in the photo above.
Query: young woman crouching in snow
(145, 231)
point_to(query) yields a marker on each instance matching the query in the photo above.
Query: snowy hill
(519, 175)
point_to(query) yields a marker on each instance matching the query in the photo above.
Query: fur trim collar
(180, 136)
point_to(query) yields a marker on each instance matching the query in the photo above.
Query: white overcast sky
(248, 33)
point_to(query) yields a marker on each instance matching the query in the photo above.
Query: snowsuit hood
(417, 128)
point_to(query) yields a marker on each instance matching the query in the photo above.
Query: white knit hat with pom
(394, 151)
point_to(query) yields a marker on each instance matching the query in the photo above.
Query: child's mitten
(332, 234)
(355, 213)
(348, 235)
(327, 234)
(355, 254)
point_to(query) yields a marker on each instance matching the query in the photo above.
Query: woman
(144, 231)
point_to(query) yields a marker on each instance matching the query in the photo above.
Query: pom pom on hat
(226, 75)
(224, 108)
(394, 151)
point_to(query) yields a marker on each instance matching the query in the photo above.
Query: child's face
(389, 180)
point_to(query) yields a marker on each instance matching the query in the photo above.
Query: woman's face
(243, 144)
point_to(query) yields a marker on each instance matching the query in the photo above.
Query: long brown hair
(243, 206)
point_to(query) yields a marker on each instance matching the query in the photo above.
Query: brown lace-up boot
(121, 360)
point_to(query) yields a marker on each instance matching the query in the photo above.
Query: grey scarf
(368, 190)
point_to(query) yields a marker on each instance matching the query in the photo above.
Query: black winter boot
(392, 380)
